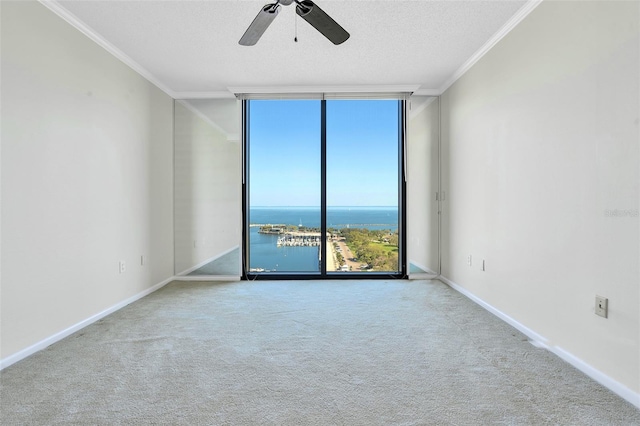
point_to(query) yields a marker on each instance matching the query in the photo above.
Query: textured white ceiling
(191, 47)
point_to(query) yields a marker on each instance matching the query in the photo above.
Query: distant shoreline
(341, 225)
(328, 207)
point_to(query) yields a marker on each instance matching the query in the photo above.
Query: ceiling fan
(307, 10)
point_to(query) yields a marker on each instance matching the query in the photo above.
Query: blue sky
(362, 153)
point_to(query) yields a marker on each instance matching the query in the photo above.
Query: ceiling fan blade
(322, 22)
(260, 24)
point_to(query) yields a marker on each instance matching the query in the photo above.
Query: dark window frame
(323, 274)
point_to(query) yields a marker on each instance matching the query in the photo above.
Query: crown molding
(415, 89)
(222, 94)
(400, 88)
(499, 35)
(75, 22)
(419, 106)
(427, 92)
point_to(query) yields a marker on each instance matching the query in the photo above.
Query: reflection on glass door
(323, 191)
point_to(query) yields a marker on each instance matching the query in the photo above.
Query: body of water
(265, 254)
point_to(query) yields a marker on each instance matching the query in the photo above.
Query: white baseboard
(204, 262)
(18, 356)
(537, 339)
(540, 341)
(597, 375)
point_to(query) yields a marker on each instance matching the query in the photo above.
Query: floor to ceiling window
(324, 188)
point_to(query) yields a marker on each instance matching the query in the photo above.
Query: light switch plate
(602, 306)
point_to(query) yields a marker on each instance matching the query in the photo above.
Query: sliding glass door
(284, 186)
(363, 185)
(323, 188)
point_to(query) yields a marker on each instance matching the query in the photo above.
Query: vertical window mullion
(245, 188)
(402, 190)
(323, 186)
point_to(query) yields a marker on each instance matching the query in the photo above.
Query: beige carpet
(303, 353)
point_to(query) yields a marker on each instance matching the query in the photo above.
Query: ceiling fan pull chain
(296, 25)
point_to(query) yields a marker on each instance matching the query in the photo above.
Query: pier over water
(299, 239)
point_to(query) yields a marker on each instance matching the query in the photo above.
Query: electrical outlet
(469, 260)
(602, 306)
(122, 266)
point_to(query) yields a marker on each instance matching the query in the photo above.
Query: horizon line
(320, 206)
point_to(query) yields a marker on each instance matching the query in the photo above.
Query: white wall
(208, 216)
(422, 183)
(540, 142)
(87, 171)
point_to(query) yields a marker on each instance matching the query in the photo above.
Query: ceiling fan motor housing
(307, 10)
